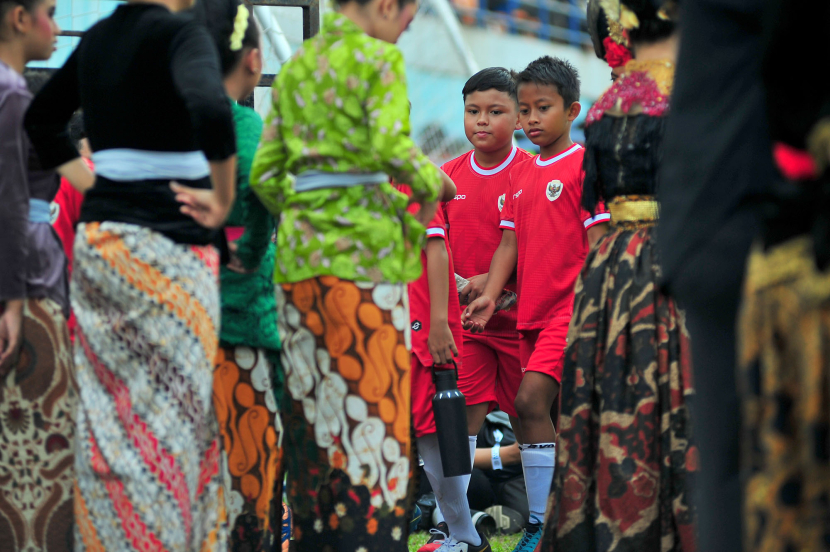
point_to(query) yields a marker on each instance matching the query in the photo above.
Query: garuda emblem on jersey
(54, 212)
(501, 202)
(553, 190)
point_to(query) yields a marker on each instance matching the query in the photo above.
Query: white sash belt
(314, 180)
(123, 164)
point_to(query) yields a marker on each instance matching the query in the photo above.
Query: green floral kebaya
(340, 105)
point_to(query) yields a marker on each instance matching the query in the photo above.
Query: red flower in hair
(616, 55)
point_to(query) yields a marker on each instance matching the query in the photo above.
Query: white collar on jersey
(552, 160)
(494, 170)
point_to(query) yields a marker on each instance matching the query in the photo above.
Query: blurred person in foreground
(716, 166)
(784, 323)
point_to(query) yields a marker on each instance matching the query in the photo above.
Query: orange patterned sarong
(251, 429)
(347, 412)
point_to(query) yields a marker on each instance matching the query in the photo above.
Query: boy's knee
(529, 407)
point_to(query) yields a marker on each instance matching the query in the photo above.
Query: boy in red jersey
(435, 318)
(490, 372)
(544, 239)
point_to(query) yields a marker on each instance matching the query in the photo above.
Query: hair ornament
(628, 19)
(240, 25)
(613, 15)
(616, 55)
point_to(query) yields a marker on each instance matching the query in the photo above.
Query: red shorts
(423, 390)
(544, 350)
(491, 371)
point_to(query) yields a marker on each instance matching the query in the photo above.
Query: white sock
(538, 461)
(450, 492)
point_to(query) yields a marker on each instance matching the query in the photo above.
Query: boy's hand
(473, 289)
(441, 344)
(476, 316)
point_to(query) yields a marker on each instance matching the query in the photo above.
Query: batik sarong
(347, 413)
(251, 429)
(147, 448)
(37, 429)
(784, 383)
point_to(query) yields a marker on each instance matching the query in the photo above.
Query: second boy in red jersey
(435, 318)
(544, 239)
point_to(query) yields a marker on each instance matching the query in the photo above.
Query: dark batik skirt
(38, 398)
(784, 359)
(624, 458)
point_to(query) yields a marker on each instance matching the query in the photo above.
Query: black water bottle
(450, 410)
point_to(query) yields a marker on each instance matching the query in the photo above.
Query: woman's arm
(47, 125)
(196, 75)
(258, 223)
(14, 198)
(389, 130)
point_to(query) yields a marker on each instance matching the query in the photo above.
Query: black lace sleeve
(622, 155)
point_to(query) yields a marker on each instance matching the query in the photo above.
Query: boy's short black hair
(556, 72)
(492, 78)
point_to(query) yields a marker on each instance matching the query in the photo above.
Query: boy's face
(542, 113)
(490, 117)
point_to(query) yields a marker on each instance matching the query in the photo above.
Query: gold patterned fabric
(634, 211)
(784, 354)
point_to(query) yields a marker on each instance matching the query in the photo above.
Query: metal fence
(558, 20)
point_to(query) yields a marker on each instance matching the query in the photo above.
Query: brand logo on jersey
(416, 326)
(553, 190)
(460, 197)
(517, 194)
(501, 202)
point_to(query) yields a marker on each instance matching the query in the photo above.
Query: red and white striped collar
(494, 170)
(552, 160)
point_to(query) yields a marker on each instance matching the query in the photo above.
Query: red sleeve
(507, 218)
(437, 227)
(68, 201)
(602, 215)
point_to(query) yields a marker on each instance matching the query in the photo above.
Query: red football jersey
(419, 305)
(473, 218)
(544, 208)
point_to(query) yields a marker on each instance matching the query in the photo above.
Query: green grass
(499, 543)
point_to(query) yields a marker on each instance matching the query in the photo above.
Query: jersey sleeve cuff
(593, 221)
(436, 232)
(509, 224)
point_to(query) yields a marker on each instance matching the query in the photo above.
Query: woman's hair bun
(219, 17)
(656, 19)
